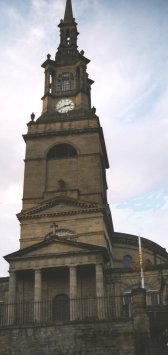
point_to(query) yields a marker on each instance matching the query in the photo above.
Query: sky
(127, 43)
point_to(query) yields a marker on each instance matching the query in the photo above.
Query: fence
(62, 310)
(158, 315)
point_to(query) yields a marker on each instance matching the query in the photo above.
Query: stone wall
(101, 338)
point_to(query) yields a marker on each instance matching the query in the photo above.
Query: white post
(141, 262)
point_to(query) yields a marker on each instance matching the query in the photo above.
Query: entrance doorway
(61, 308)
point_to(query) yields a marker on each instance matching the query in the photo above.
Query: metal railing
(158, 317)
(52, 311)
(158, 314)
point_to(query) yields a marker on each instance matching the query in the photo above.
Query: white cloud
(138, 152)
(148, 224)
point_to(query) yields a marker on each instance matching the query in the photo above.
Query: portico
(66, 291)
(37, 275)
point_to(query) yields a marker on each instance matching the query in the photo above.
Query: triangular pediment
(59, 206)
(55, 246)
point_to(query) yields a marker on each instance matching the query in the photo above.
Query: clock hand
(66, 105)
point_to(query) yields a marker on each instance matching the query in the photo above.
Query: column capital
(73, 268)
(12, 271)
(37, 270)
(99, 266)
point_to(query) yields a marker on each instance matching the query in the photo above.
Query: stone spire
(68, 34)
(68, 17)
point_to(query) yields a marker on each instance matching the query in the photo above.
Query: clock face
(65, 105)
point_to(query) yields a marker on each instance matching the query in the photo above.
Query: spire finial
(68, 17)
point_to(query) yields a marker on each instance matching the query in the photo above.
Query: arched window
(68, 37)
(62, 151)
(127, 261)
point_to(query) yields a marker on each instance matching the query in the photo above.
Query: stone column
(73, 292)
(100, 291)
(99, 281)
(12, 287)
(37, 295)
(11, 298)
(140, 321)
(47, 82)
(81, 77)
(52, 83)
(117, 300)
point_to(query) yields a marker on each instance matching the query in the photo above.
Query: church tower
(75, 285)
(66, 225)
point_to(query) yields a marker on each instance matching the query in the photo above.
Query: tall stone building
(74, 284)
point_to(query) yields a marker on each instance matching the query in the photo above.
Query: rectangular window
(152, 298)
